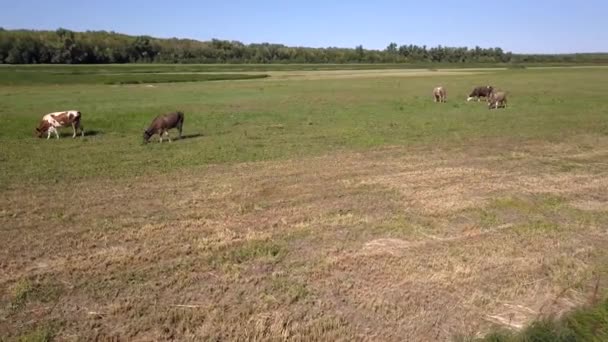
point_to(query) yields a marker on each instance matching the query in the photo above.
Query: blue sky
(520, 26)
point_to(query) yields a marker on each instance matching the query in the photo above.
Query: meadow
(317, 202)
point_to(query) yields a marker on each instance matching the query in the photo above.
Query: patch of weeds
(587, 218)
(567, 167)
(552, 202)
(276, 126)
(135, 277)
(538, 226)
(488, 218)
(304, 232)
(562, 165)
(395, 228)
(43, 334)
(585, 146)
(540, 205)
(329, 328)
(292, 290)
(248, 251)
(511, 203)
(586, 324)
(27, 290)
(21, 292)
(248, 207)
(106, 225)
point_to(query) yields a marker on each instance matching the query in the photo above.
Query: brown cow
(162, 123)
(479, 92)
(50, 122)
(440, 94)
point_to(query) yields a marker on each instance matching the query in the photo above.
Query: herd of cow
(163, 123)
(495, 99)
(160, 125)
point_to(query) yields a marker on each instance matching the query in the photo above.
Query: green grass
(26, 290)
(349, 244)
(265, 119)
(585, 324)
(43, 334)
(250, 250)
(13, 77)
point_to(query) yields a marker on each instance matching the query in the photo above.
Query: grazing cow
(497, 100)
(439, 94)
(50, 122)
(162, 123)
(480, 92)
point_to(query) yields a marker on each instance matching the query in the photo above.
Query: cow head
(147, 135)
(38, 132)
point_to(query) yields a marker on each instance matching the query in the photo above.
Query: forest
(64, 46)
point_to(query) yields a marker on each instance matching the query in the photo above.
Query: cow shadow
(156, 138)
(87, 133)
(92, 133)
(190, 136)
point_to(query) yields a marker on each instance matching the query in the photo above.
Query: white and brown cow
(50, 122)
(440, 94)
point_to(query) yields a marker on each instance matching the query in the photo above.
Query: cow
(479, 92)
(497, 100)
(439, 94)
(162, 123)
(50, 122)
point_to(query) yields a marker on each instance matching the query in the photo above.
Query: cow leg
(50, 132)
(53, 130)
(74, 125)
(79, 126)
(168, 135)
(179, 129)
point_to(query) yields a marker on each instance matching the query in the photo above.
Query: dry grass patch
(383, 245)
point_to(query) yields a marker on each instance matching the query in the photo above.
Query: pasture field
(305, 205)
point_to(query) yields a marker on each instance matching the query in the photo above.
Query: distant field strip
(13, 78)
(115, 76)
(346, 74)
(134, 74)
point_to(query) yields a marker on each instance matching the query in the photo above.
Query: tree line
(68, 47)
